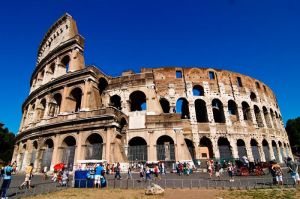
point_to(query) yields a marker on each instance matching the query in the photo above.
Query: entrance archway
(266, 150)
(137, 150)
(241, 148)
(47, 154)
(94, 147)
(255, 151)
(274, 146)
(68, 152)
(206, 149)
(165, 148)
(225, 149)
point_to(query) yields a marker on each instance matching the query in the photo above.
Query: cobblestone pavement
(170, 180)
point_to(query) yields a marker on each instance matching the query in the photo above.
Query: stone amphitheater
(76, 112)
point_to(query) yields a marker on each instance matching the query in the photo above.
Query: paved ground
(170, 180)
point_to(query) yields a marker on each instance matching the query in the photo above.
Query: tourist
(141, 171)
(293, 170)
(98, 173)
(217, 170)
(28, 176)
(156, 172)
(107, 169)
(278, 172)
(6, 175)
(230, 169)
(129, 173)
(209, 168)
(14, 166)
(118, 172)
(64, 178)
(148, 172)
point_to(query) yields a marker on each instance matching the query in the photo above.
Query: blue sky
(256, 38)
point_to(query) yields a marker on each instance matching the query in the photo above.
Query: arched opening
(22, 157)
(232, 110)
(34, 152)
(190, 147)
(198, 90)
(42, 74)
(94, 147)
(225, 149)
(56, 105)
(266, 150)
(273, 118)
(41, 109)
(255, 151)
(201, 111)
(241, 148)
(47, 154)
(274, 146)
(137, 150)
(281, 150)
(182, 107)
(206, 149)
(123, 123)
(246, 112)
(165, 148)
(258, 117)
(115, 101)
(218, 111)
(138, 101)
(65, 62)
(102, 85)
(253, 97)
(68, 152)
(52, 68)
(165, 105)
(267, 117)
(76, 95)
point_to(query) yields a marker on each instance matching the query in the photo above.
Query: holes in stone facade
(239, 82)
(198, 90)
(49, 143)
(201, 112)
(218, 111)
(211, 75)
(257, 85)
(182, 107)
(178, 74)
(115, 101)
(137, 101)
(165, 105)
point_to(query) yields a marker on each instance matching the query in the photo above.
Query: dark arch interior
(274, 143)
(35, 145)
(265, 143)
(76, 95)
(253, 97)
(205, 142)
(201, 112)
(24, 146)
(115, 101)
(253, 142)
(246, 111)
(138, 101)
(65, 61)
(223, 141)
(95, 139)
(49, 143)
(182, 106)
(57, 97)
(240, 142)
(191, 147)
(136, 141)
(163, 139)
(165, 105)
(70, 141)
(198, 90)
(102, 85)
(232, 109)
(218, 111)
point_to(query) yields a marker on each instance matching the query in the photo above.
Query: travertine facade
(77, 112)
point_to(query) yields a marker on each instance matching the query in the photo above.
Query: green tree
(293, 130)
(7, 140)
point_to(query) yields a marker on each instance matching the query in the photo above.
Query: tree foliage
(293, 131)
(7, 140)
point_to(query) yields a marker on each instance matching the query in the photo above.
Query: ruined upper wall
(60, 32)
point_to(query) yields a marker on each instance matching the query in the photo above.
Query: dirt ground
(172, 194)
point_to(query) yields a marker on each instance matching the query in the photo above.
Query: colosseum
(76, 112)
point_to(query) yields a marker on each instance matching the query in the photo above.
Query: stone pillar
(109, 134)
(151, 148)
(63, 107)
(177, 131)
(210, 114)
(226, 115)
(86, 95)
(56, 156)
(76, 60)
(261, 152)
(279, 153)
(79, 151)
(249, 151)
(241, 115)
(215, 147)
(272, 156)
(234, 150)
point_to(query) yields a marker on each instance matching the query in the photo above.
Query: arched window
(267, 117)
(165, 148)
(241, 148)
(253, 97)
(218, 111)
(115, 101)
(201, 112)
(65, 62)
(232, 110)
(47, 154)
(198, 90)
(102, 85)
(52, 68)
(266, 150)
(165, 105)
(138, 101)
(68, 152)
(182, 107)
(224, 148)
(258, 117)
(41, 110)
(94, 147)
(246, 111)
(255, 151)
(274, 146)
(137, 150)
(76, 95)
(206, 148)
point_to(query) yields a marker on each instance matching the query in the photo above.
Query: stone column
(56, 156)
(279, 153)
(215, 148)
(234, 150)
(249, 151)
(63, 107)
(177, 131)
(226, 115)
(272, 156)
(151, 148)
(109, 134)
(86, 94)
(261, 152)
